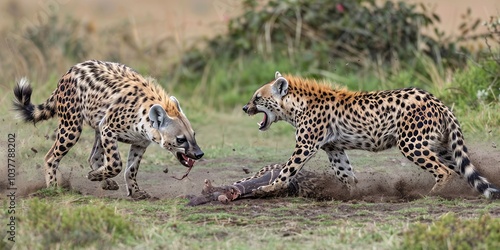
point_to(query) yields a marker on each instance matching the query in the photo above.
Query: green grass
(451, 232)
(70, 220)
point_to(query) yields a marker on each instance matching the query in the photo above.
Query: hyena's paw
(95, 175)
(109, 184)
(140, 195)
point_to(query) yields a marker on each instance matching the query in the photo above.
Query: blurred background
(220, 50)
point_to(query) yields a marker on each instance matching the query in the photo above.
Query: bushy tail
(25, 109)
(468, 170)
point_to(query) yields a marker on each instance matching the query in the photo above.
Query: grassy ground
(58, 219)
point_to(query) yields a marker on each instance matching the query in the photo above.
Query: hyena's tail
(26, 110)
(467, 169)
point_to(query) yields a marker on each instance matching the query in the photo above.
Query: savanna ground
(389, 209)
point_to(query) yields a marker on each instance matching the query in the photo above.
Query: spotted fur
(335, 120)
(121, 106)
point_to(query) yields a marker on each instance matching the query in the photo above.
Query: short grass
(61, 219)
(451, 232)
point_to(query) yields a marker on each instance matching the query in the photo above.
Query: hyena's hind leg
(67, 136)
(341, 166)
(96, 158)
(445, 155)
(428, 159)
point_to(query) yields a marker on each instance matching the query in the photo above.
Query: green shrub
(230, 83)
(479, 84)
(359, 32)
(85, 225)
(493, 41)
(492, 61)
(450, 232)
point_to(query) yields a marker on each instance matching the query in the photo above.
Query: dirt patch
(383, 177)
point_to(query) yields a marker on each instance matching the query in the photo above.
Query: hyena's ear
(158, 117)
(172, 98)
(280, 87)
(277, 74)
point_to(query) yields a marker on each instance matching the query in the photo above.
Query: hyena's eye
(181, 140)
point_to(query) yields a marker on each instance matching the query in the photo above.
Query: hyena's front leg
(96, 160)
(134, 159)
(113, 164)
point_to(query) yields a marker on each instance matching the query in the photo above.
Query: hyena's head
(269, 100)
(175, 133)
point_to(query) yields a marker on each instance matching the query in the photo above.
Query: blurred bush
(450, 232)
(362, 44)
(84, 225)
(318, 32)
(493, 43)
(480, 84)
(45, 47)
